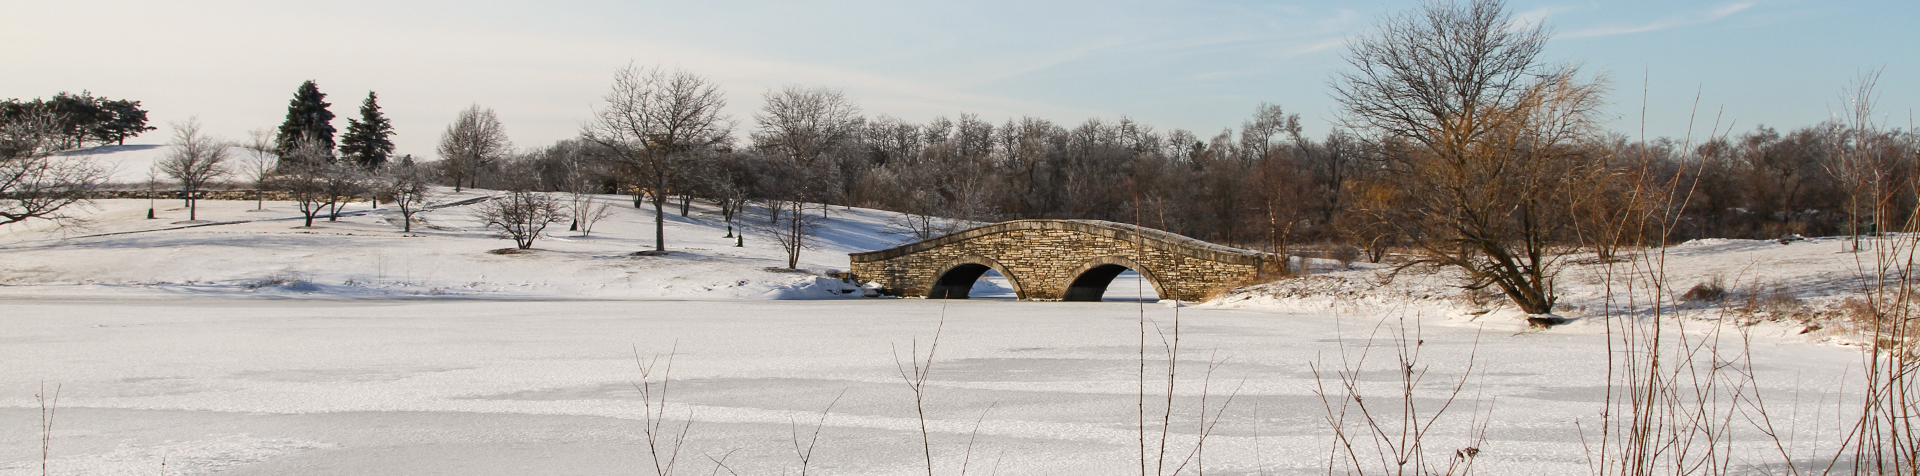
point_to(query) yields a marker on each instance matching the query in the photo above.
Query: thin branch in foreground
(806, 454)
(721, 463)
(915, 372)
(655, 412)
(968, 458)
(47, 410)
(1398, 438)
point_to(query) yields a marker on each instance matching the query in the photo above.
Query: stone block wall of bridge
(1042, 258)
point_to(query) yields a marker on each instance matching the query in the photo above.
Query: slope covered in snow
(245, 248)
(247, 344)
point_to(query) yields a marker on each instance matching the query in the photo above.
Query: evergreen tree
(80, 119)
(128, 120)
(307, 118)
(78, 114)
(367, 140)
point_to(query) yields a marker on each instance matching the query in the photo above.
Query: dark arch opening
(957, 282)
(1092, 284)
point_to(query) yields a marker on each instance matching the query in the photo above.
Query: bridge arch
(956, 277)
(1043, 260)
(1091, 279)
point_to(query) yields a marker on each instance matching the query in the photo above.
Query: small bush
(1346, 254)
(1777, 302)
(280, 279)
(520, 215)
(1708, 291)
(1877, 322)
(1779, 299)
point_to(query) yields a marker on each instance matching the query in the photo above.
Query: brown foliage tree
(1483, 140)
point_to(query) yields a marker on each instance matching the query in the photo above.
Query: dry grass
(1391, 434)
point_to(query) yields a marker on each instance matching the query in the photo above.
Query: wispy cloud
(1539, 16)
(1671, 22)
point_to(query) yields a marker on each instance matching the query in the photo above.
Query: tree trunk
(797, 230)
(659, 212)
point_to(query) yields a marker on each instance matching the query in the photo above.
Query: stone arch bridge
(1071, 260)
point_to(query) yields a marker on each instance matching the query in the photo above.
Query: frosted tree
(306, 177)
(259, 163)
(521, 215)
(800, 126)
(407, 186)
(473, 143)
(652, 124)
(35, 183)
(195, 161)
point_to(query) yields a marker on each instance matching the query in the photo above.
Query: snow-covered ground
(250, 345)
(132, 165)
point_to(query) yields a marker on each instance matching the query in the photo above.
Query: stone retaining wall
(271, 195)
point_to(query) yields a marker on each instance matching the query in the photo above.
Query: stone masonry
(1041, 259)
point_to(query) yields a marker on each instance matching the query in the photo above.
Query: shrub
(1706, 291)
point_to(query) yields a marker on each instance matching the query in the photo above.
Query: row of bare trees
(1507, 155)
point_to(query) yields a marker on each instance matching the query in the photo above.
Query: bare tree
(196, 160)
(474, 142)
(343, 181)
(801, 125)
(585, 211)
(521, 215)
(728, 179)
(781, 180)
(259, 163)
(34, 182)
(805, 123)
(653, 121)
(791, 227)
(580, 183)
(305, 174)
(1481, 135)
(406, 185)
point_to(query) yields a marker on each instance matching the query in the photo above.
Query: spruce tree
(307, 119)
(367, 140)
(128, 121)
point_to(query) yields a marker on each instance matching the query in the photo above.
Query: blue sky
(1197, 65)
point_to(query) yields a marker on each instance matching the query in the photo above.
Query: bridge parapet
(1064, 260)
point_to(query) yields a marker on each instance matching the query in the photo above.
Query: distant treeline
(1263, 186)
(77, 120)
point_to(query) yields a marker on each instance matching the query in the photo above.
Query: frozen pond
(290, 386)
(1127, 287)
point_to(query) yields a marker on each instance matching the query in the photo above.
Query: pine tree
(128, 121)
(78, 114)
(367, 141)
(307, 118)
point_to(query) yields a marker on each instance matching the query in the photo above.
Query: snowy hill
(265, 251)
(247, 344)
(133, 164)
(249, 251)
